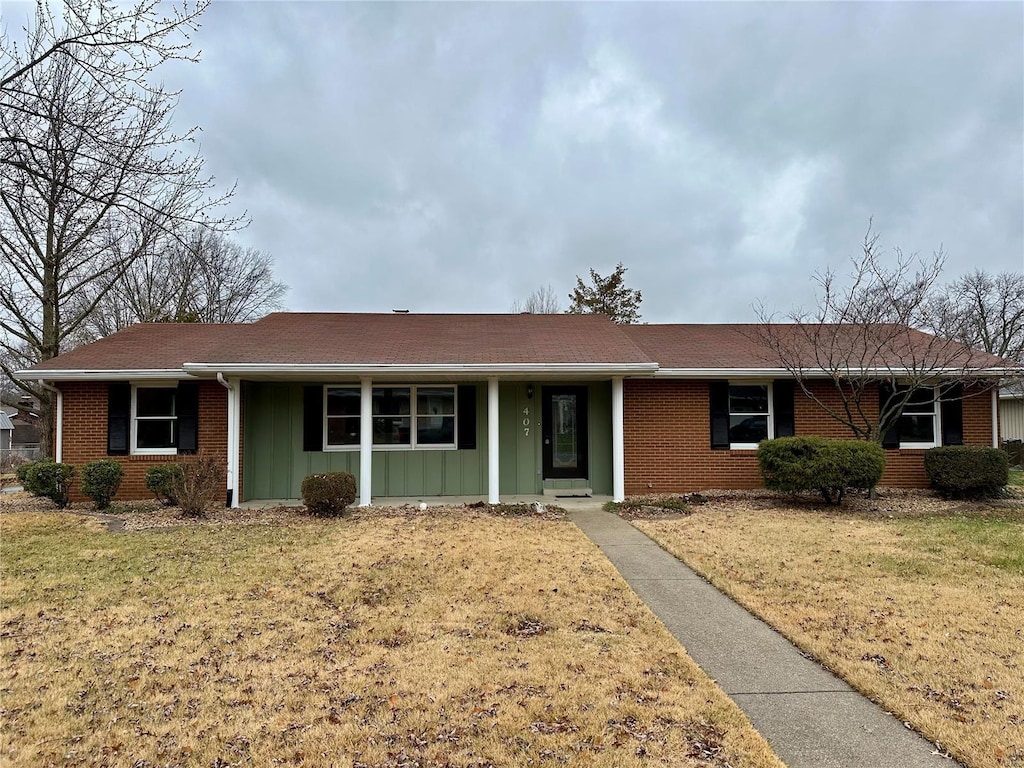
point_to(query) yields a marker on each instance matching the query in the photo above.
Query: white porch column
(365, 440)
(234, 439)
(492, 441)
(618, 447)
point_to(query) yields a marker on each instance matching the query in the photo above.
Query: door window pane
(564, 435)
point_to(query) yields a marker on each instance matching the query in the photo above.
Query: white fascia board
(430, 369)
(103, 374)
(783, 373)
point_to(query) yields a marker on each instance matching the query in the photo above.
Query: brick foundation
(668, 445)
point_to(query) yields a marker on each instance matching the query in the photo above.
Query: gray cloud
(456, 156)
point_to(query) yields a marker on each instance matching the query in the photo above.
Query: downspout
(233, 434)
(58, 447)
(995, 417)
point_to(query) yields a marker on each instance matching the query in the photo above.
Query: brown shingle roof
(373, 339)
(329, 339)
(739, 346)
(400, 339)
(701, 346)
(146, 346)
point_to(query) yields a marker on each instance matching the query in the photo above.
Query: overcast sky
(454, 157)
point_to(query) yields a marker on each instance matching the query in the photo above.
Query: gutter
(764, 373)
(104, 374)
(425, 369)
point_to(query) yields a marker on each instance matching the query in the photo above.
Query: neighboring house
(6, 428)
(481, 405)
(1011, 412)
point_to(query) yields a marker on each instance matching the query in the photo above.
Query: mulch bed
(141, 516)
(888, 502)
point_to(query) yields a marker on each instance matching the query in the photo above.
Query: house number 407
(526, 421)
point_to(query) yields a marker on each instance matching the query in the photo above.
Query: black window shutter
(119, 414)
(952, 415)
(719, 396)
(785, 412)
(467, 417)
(892, 437)
(187, 410)
(312, 418)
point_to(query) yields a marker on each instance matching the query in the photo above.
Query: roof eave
(101, 374)
(761, 373)
(307, 370)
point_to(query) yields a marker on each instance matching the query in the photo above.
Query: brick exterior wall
(85, 434)
(667, 431)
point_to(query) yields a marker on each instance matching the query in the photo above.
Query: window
(403, 417)
(435, 416)
(750, 414)
(392, 417)
(154, 419)
(917, 424)
(342, 415)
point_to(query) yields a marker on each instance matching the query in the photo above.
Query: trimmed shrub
(962, 471)
(328, 494)
(21, 472)
(47, 478)
(830, 467)
(100, 481)
(160, 481)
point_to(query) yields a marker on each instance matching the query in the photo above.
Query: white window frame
(770, 414)
(413, 417)
(936, 414)
(135, 450)
(326, 418)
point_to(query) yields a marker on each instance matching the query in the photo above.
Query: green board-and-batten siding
(275, 464)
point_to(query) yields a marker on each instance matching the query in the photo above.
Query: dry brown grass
(922, 612)
(437, 640)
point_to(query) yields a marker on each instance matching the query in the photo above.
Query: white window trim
(936, 425)
(136, 451)
(412, 416)
(771, 414)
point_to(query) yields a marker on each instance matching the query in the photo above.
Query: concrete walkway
(811, 718)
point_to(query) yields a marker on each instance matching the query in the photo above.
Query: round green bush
(967, 472)
(327, 495)
(830, 467)
(47, 478)
(100, 481)
(162, 480)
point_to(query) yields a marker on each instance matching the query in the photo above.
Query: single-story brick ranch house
(488, 405)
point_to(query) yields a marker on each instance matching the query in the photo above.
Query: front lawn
(447, 639)
(922, 612)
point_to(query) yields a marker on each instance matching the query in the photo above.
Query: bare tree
(862, 338)
(203, 278)
(92, 176)
(232, 284)
(116, 45)
(543, 301)
(984, 311)
(606, 296)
